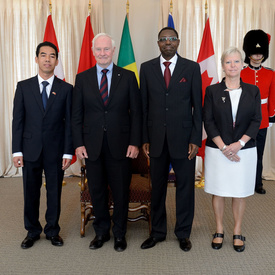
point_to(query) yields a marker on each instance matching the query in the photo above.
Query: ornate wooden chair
(139, 194)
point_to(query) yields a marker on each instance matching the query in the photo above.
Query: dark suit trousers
(261, 138)
(32, 181)
(105, 171)
(185, 177)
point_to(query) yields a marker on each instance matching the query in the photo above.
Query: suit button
(166, 94)
(106, 112)
(164, 124)
(166, 109)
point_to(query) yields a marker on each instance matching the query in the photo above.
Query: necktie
(44, 94)
(167, 73)
(104, 87)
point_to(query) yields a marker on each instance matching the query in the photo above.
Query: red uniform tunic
(264, 78)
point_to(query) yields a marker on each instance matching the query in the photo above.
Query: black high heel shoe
(239, 248)
(217, 245)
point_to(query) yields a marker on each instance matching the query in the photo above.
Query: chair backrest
(140, 165)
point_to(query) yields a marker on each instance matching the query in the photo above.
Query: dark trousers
(261, 138)
(116, 173)
(185, 178)
(32, 181)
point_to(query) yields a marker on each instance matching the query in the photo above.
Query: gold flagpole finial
(50, 6)
(127, 7)
(206, 7)
(90, 7)
(171, 7)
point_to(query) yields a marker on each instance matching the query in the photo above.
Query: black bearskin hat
(256, 42)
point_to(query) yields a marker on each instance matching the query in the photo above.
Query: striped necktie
(104, 87)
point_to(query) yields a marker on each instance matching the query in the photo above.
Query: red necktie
(104, 87)
(167, 73)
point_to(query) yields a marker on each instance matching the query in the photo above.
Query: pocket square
(183, 80)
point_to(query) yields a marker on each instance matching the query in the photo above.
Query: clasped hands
(231, 151)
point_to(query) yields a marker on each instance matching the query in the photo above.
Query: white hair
(100, 35)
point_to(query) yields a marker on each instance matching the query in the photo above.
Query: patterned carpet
(165, 258)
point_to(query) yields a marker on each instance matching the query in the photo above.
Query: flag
(86, 59)
(209, 74)
(126, 57)
(170, 21)
(51, 37)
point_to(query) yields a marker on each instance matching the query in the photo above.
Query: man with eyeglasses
(172, 131)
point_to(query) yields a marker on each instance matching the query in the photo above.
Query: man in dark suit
(172, 131)
(41, 140)
(106, 127)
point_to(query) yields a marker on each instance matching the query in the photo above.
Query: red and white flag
(86, 59)
(209, 74)
(51, 37)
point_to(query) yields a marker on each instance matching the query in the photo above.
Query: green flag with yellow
(126, 57)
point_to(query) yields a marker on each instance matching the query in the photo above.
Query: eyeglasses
(171, 39)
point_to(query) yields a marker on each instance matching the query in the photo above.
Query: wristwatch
(242, 142)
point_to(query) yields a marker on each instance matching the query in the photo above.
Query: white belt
(264, 101)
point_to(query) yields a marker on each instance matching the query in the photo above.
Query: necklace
(231, 89)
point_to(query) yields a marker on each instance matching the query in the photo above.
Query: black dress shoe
(120, 244)
(99, 240)
(239, 248)
(56, 240)
(151, 242)
(217, 245)
(29, 241)
(260, 190)
(185, 244)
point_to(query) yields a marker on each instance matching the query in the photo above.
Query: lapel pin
(53, 93)
(223, 99)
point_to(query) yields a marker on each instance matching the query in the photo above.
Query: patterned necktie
(44, 94)
(167, 73)
(104, 87)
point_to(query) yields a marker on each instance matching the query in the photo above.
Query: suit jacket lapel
(158, 72)
(179, 68)
(116, 76)
(53, 93)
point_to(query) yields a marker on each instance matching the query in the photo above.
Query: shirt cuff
(17, 154)
(66, 156)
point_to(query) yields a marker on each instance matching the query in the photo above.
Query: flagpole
(89, 8)
(206, 11)
(50, 7)
(171, 7)
(200, 184)
(127, 10)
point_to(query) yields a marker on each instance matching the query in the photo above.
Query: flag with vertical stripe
(126, 57)
(209, 74)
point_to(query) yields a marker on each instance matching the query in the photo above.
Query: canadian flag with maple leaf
(209, 74)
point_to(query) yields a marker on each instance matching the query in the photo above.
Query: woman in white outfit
(232, 116)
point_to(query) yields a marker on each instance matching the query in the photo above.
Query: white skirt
(226, 178)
